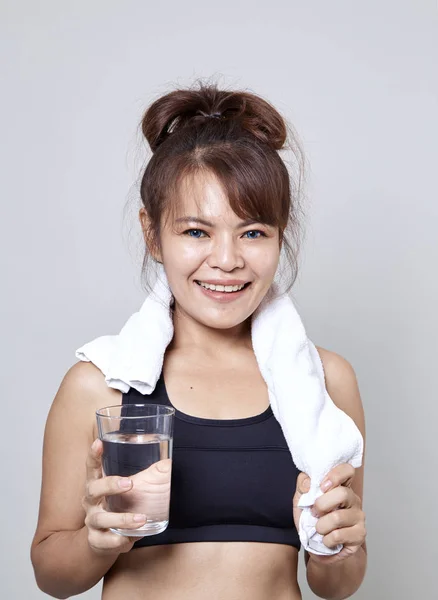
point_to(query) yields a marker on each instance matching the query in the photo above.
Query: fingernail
(139, 518)
(326, 485)
(125, 483)
(314, 512)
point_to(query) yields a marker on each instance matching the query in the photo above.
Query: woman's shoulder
(336, 367)
(84, 384)
(342, 385)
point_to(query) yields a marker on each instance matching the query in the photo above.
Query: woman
(217, 211)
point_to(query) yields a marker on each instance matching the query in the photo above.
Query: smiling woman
(209, 143)
(219, 210)
(226, 253)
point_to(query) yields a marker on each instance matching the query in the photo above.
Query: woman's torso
(203, 395)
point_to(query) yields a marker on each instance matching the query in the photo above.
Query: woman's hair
(235, 136)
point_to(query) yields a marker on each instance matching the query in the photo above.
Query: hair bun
(184, 107)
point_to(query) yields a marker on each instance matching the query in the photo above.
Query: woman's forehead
(202, 196)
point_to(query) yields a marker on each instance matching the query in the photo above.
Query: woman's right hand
(98, 520)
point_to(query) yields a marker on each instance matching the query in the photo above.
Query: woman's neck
(192, 335)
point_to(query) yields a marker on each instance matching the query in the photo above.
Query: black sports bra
(232, 480)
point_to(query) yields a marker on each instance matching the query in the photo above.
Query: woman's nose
(226, 255)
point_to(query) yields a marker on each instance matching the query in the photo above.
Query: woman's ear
(149, 235)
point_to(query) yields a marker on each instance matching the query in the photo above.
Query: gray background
(359, 82)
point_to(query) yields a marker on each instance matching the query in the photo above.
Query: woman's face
(219, 267)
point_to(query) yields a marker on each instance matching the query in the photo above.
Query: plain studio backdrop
(358, 80)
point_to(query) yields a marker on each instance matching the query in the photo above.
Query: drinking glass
(137, 443)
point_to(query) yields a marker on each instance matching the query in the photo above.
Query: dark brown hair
(236, 136)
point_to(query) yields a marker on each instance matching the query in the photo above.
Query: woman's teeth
(221, 288)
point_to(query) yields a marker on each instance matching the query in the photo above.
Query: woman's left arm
(341, 518)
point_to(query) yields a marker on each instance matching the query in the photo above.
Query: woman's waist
(199, 570)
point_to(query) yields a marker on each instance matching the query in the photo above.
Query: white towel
(319, 434)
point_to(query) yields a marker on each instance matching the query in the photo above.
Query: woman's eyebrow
(200, 221)
(250, 222)
(194, 220)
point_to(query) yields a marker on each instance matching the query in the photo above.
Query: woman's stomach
(205, 571)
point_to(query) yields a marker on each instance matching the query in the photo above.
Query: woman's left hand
(341, 519)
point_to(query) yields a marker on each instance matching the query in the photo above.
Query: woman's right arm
(72, 548)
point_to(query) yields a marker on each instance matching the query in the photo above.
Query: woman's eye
(195, 233)
(254, 234)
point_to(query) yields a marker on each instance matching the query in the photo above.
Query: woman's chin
(223, 322)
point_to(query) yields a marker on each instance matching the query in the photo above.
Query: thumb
(158, 473)
(303, 483)
(303, 486)
(164, 466)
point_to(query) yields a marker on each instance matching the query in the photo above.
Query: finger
(340, 497)
(105, 520)
(97, 489)
(347, 536)
(341, 475)
(337, 520)
(94, 460)
(108, 542)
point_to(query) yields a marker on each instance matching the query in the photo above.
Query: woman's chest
(235, 473)
(232, 479)
(234, 391)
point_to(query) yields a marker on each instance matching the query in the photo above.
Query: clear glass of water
(137, 443)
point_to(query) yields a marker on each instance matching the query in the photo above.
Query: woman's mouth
(223, 291)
